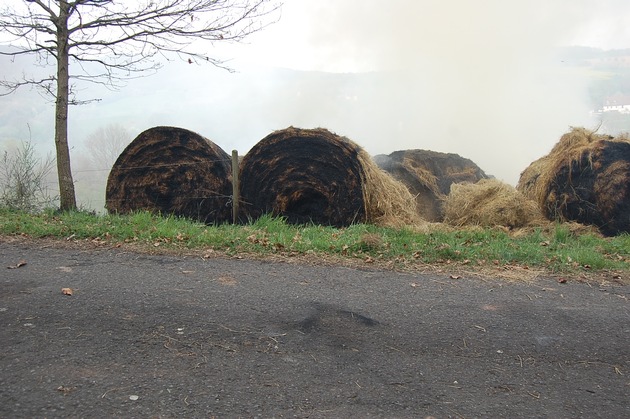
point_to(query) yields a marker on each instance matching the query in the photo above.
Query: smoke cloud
(477, 78)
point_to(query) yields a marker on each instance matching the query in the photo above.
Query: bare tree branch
(126, 39)
(107, 42)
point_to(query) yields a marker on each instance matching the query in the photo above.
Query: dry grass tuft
(421, 174)
(371, 241)
(429, 175)
(388, 202)
(489, 203)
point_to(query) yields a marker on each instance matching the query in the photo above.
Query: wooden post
(235, 187)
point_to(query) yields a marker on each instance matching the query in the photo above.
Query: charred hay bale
(490, 203)
(314, 175)
(585, 178)
(172, 171)
(429, 176)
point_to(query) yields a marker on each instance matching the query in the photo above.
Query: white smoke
(477, 78)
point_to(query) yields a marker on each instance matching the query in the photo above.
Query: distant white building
(617, 103)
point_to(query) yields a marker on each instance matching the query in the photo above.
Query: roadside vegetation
(23, 177)
(559, 249)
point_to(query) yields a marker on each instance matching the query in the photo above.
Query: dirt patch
(458, 270)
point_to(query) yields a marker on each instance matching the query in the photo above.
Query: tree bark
(141, 31)
(67, 198)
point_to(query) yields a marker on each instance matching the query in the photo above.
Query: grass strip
(557, 250)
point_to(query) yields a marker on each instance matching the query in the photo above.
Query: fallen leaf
(562, 280)
(67, 291)
(227, 280)
(455, 277)
(208, 254)
(413, 284)
(21, 263)
(64, 389)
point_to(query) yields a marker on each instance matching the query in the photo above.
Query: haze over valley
(492, 84)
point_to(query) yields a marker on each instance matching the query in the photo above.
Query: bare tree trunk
(67, 198)
(120, 40)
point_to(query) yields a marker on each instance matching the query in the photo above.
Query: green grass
(559, 250)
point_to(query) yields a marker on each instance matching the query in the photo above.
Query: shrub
(23, 176)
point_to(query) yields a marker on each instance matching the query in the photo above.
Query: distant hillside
(610, 69)
(609, 82)
(614, 59)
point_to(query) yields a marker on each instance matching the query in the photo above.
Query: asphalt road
(162, 336)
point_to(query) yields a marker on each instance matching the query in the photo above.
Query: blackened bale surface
(172, 171)
(304, 175)
(429, 175)
(585, 178)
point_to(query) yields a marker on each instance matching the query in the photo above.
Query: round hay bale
(388, 202)
(585, 178)
(490, 203)
(429, 175)
(314, 175)
(172, 171)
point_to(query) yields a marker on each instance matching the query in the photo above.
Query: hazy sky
(477, 78)
(365, 35)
